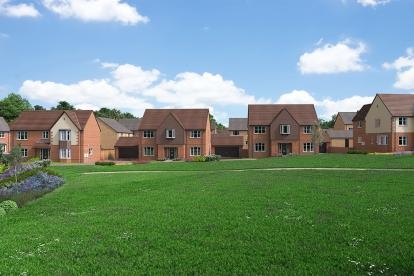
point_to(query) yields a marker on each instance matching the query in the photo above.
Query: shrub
(104, 163)
(2, 212)
(8, 206)
(199, 158)
(352, 151)
(213, 157)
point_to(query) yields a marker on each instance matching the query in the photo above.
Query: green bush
(352, 151)
(104, 163)
(200, 158)
(2, 212)
(8, 206)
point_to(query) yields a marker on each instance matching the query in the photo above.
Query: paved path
(261, 169)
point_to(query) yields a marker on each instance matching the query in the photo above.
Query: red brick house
(388, 124)
(174, 134)
(281, 129)
(71, 136)
(339, 139)
(4, 136)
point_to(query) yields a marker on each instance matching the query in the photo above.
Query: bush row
(207, 158)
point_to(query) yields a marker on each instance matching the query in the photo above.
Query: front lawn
(219, 222)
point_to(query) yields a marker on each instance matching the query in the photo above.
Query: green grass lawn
(199, 218)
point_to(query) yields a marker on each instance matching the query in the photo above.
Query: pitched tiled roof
(45, 119)
(3, 125)
(188, 118)
(332, 133)
(362, 113)
(399, 104)
(238, 123)
(127, 142)
(223, 139)
(131, 124)
(263, 114)
(114, 125)
(347, 117)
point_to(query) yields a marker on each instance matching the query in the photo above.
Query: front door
(171, 153)
(284, 149)
(44, 154)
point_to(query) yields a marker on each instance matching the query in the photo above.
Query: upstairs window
(259, 129)
(22, 135)
(307, 129)
(45, 134)
(402, 121)
(195, 134)
(285, 129)
(170, 133)
(359, 124)
(1, 134)
(64, 135)
(236, 132)
(149, 134)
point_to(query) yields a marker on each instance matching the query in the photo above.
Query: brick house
(174, 134)
(70, 136)
(281, 129)
(359, 136)
(227, 145)
(340, 137)
(111, 131)
(389, 124)
(4, 136)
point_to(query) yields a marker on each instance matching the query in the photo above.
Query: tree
(15, 158)
(113, 113)
(327, 124)
(63, 105)
(317, 134)
(215, 124)
(39, 107)
(13, 105)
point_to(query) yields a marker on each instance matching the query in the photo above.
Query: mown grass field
(205, 218)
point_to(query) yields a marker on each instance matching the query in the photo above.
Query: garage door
(229, 152)
(128, 152)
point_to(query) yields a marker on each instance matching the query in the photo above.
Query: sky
(217, 54)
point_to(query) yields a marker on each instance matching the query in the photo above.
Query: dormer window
(170, 133)
(284, 129)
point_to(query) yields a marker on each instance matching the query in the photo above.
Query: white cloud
(325, 107)
(345, 56)
(18, 10)
(130, 78)
(96, 10)
(372, 3)
(405, 70)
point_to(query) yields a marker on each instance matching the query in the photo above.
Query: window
(3, 148)
(90, 151)
(148, 151)
(64, 135)
(1, 134)
(148, 134)
(22, 135)
(359, 139)
(24, 152)
(382, 140)
(236, 132)
(64, 153)
(170, 133)
(195, 134)
(359, 124)
(259, 147)
(259, 129)
(402, 141)
(402, 121)
(308, 147)
(377, 123)
(307, 129)
(195, 151)
(45, 134)
(284, 129)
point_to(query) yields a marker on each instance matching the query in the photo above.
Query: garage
(128, 153)
(126, 148)
(229, 151)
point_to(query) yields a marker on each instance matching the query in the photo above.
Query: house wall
(404, 129)
(90, 146)
(170, 123)
(378, 111)
(108, 136)
(339, 123)
(284, 118)
(64, 122)
(245, 135)
(6, 141)
(410, 141)
(147, 142)
(259, 138)
(32, 138)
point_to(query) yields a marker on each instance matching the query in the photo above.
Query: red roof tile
(263, 114)
(223, 139)
(189, 118)
(399, 104)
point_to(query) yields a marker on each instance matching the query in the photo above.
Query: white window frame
(259, 129)
(402, 121)
(195, 134)
(22, 135)
(149, 151)
(195, 151)
(1, 134)
(259, 147)
(64, 153)
(149, 134)
(45, 134)
(308, 147)
(170, 133)
(284, 129)
(64, 135)
(308, 129)
(382, 140)
(403, 141)
(25, 152)
(359, 124)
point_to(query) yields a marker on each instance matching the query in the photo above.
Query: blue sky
(221, 54)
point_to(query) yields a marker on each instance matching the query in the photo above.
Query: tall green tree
(113, 113)
(325, 124)
(214, 123)
(63, 105)
(15, 158)
(38, 107)
(13, 105)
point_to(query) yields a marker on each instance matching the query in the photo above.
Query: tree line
(12, 105)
